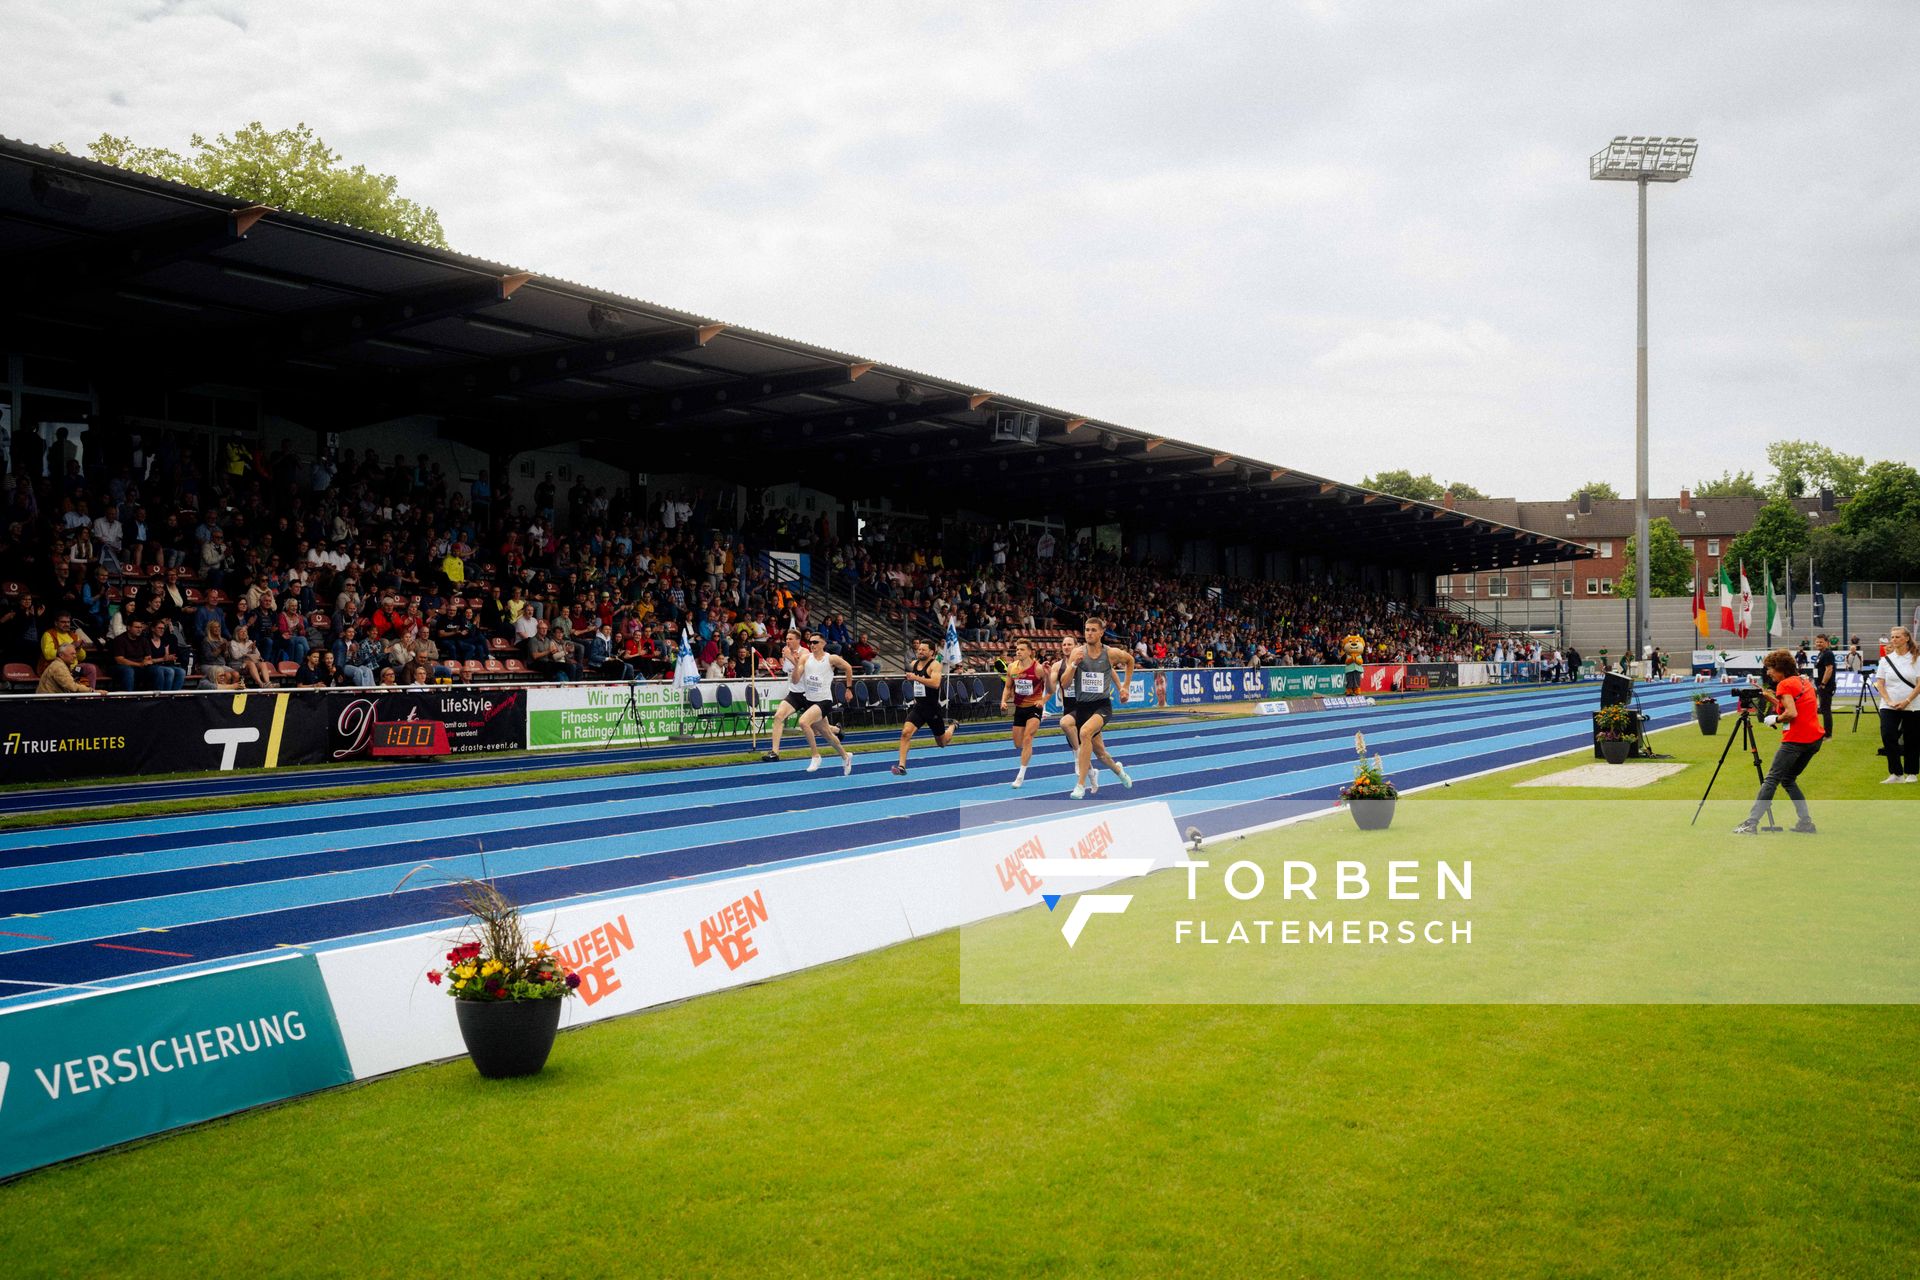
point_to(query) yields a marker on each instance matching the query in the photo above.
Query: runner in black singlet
(923, 708)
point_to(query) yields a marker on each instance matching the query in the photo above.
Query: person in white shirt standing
(1896, 679)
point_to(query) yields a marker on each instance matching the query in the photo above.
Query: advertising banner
(594, 715)
(1422, 676)
(1304, 682)
(48, 739)
(1383, 677)
(81, 1074)
(479, 718)
(648, 949)
(1200, 686)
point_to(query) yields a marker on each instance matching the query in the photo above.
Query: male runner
(1090, 670)
(1026, 693)
(813, 677)
(795, 702)
(1058, 684)
(924, 708)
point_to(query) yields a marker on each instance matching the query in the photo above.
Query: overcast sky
(1335, 236)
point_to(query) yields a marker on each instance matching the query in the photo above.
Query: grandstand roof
(157, 284)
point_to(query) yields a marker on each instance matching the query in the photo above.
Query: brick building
(1707, 527)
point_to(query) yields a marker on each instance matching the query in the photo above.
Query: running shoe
(1891, 779)
(1126, 779)
(899, 771)
(770, 757)
(813, 765)
(846, 766)
(1078, 793)
(1747, 828)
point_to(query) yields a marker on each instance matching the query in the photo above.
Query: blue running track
(105, 902)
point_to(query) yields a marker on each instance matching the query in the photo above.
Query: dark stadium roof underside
(156, 285)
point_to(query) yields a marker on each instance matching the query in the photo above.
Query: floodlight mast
(1640, 159)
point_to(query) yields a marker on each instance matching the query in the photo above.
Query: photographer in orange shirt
(1796, 712)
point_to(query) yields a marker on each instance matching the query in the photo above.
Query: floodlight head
(1641, 159)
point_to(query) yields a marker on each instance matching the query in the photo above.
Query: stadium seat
(473, 672)
(495, 669)
(20, 676)
(9, 588)
(517, 670)
(288, 670)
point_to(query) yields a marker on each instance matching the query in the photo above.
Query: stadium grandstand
(297, 453)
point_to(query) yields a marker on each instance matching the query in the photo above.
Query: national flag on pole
(950, 651)
(1744, 620)
(1819, 598)
(686, 669)
(1700, 607)
(1728, 622)
(1793, 623)
(1772, 612)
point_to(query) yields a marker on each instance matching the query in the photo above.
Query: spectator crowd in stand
(987, 583)
(162, 563)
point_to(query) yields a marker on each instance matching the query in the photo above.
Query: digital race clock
(409, 738)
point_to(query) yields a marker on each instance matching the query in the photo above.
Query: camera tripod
(1743, 730)
(629, 714)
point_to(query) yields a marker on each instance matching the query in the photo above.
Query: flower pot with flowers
(1371, 794)
(1614, 728)
(507, 992)
(1706, 710)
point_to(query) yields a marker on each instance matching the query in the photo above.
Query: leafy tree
(1731, 484)
(1779, 533)
(1598, 488)
(1801, 467)
(1405, 484)
(1461, 489)
(1672, 563)
(1888, 491)
(1886, 551)
(289, 169)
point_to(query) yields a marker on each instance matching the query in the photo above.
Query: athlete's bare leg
(779, 723)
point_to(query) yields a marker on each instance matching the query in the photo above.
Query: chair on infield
(882, 704)
(862, 701)
(977, 698)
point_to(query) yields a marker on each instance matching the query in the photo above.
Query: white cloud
(1282, 228)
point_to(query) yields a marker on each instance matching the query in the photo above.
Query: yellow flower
(541, 948)
(491, 967)
(465, 971)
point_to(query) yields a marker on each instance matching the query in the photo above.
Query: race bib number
(1023, 687)
(1093, 683)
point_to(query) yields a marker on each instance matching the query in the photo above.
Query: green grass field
(861, 1119)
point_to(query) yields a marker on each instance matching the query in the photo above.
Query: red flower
(433, 976)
